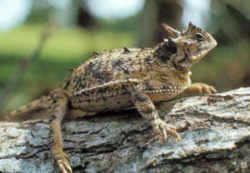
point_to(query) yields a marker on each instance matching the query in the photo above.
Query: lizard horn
(171, 31)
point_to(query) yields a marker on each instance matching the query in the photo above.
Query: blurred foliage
(66, 48)
(226, 67)
(239, 5)
(39, 16)
(64, 43)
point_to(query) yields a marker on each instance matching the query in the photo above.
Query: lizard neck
(163, 51)
(183, 78)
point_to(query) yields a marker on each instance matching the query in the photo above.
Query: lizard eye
(199, 37)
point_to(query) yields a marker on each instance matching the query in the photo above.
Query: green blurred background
(81, 27)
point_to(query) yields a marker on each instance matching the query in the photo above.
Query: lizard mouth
(212, 44)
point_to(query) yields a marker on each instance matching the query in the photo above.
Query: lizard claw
(164, 129)
(62, 161)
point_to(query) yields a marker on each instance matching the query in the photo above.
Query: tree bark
(215, 133)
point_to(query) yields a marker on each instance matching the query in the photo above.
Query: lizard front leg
(146, 108)
(58, 111)
(198, 89)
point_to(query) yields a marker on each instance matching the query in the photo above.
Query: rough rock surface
(215, 133)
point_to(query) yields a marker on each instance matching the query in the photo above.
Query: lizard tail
(26, 112)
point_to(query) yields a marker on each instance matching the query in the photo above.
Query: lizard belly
(162, 97)
(103, 103)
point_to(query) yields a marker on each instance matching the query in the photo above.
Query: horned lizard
(121, 78)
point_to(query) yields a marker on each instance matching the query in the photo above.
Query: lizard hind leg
(58, 111)
(34, 110)
(77, 113)
(53, 107)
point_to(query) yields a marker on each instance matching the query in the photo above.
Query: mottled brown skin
(121, 78)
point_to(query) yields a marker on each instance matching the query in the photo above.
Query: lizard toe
(64, 166)
(206, 89)
(62, 161)
(210, 89)
(165, 129)
(213, 89)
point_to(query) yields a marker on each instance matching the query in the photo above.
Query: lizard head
(187, 47)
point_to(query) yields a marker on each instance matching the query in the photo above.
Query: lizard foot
(204, 88)
(165, 129)
(62, 161)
